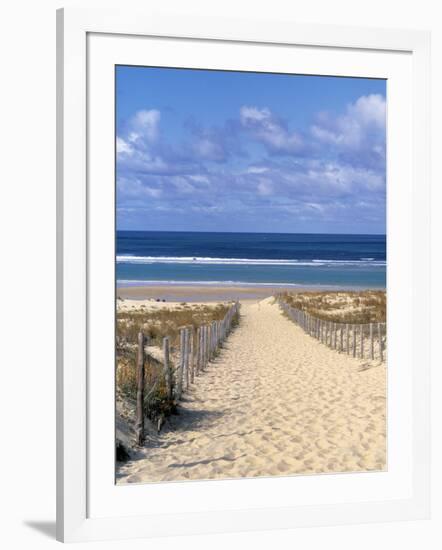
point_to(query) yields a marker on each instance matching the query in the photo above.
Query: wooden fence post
(139, 422)
(362, 341)
(186, 358)
(326, 332)
(207, 343)
(179, 373)
(167, 369)
(196, 365)
(213, 339)
(201, 365)
(189, 355)
(381, 350)
(203, 349)
(354, 340)
(193, 345)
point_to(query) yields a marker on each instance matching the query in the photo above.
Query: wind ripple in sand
(275, 402)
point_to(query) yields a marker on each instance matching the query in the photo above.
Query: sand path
(275, 402)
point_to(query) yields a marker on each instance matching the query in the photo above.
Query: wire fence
(362, 340)
(171, 372)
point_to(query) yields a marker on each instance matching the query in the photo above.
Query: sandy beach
(274, 402)
(200, 293)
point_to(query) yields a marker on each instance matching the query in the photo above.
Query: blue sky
(202, 150)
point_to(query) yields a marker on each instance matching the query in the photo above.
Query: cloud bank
(256, 172)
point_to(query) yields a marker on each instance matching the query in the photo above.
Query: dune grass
(155, 324)
(367, 306)
(158, 323)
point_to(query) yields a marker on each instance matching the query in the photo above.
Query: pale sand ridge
(275, 402)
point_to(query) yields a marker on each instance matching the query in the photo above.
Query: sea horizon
(246, 232)
(321, 260)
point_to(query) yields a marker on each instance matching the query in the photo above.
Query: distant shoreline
(239, 259)
(200, 292)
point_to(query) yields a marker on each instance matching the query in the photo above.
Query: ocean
(311, 260)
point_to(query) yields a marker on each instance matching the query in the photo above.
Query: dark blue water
(264, 258)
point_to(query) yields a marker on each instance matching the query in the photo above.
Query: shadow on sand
(183, 421)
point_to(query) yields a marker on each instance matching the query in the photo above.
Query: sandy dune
(275, 402)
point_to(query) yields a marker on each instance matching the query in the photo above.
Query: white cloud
(135, 147)
(265, 188)
(256, 170)
(315, 181)
(248, 114)
(123, 148)
(360, 130)
(144, 126)
(207, 149)
(269, 130)
(335, 171)
(200, 179)
(182, 185)
(132, 188)
(369, 110)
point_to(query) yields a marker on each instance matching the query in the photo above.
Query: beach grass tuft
(156, 323)
(364, 306)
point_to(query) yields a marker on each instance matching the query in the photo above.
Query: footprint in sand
(307, 408)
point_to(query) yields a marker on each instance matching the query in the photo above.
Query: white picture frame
(85, 511)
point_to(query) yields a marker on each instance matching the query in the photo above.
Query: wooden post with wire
(381, 350)
(166, 366)
(362, 341)
(139, 423)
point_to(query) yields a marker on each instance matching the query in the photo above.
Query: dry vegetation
(155, 323)
(161, 322)
(368, 306)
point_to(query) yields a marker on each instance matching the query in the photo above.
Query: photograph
(250, 274)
